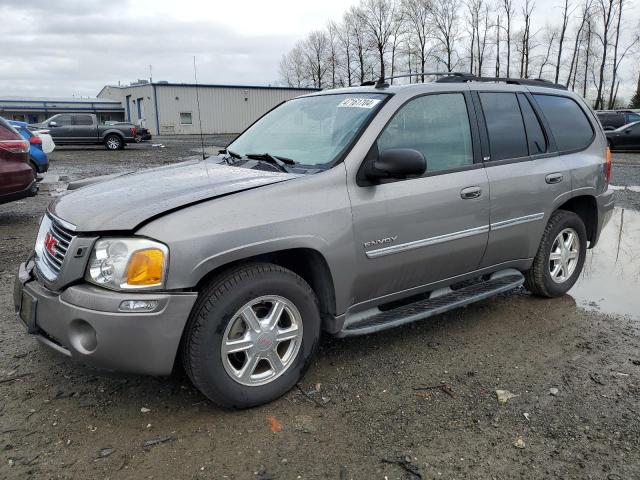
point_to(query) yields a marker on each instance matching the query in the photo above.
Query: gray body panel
(381, 242)
(85, 134)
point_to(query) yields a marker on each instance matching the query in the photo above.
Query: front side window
(569, 124)
(63, 120)
(505, 127)
(311, 130)
(185, 118)
(435, 125)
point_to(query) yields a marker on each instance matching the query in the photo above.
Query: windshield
(309, 130)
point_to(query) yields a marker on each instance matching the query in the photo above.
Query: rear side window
(570, 126)
(535, 135)
(435, 125)
(507, 138)
(82, 120)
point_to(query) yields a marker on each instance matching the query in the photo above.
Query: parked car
(84, 129)
(142, 133)
(16, 176)
(626, 137)
(38, 159)
(612, 119)
(350, 211)
(48, 145)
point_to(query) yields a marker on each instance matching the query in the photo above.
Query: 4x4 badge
(380, 241)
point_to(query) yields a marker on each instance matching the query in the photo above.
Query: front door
(62, 131)
(416, 231)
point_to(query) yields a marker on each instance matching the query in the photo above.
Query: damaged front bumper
(86, 323)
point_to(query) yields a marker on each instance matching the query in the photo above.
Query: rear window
(535, 135)
(7, 132)
(570, 126)
(507, 138)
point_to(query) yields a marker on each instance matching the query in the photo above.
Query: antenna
(195, 75)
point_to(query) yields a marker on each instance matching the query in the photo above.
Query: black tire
(214, 310)
(538, 278)
(113, 142)
(34, 168)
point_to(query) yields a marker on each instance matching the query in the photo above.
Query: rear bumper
(30, 191)
(84, 323)
(605, 202)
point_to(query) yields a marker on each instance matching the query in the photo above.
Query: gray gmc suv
(347, 211)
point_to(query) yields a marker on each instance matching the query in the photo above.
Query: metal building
(35, 110)
(172, 108)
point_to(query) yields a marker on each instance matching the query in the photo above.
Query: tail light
(607, 166)
(133, 130)
(14, 146)
(35, 140)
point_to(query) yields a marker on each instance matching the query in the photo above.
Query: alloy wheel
(564, 256)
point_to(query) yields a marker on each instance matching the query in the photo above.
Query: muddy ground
(369, 407)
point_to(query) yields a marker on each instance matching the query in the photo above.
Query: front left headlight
(128, 264)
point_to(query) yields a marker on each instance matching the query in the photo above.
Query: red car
(16, 175)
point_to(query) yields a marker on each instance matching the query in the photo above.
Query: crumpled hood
(126, 201)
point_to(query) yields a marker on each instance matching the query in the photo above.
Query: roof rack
(460, 77)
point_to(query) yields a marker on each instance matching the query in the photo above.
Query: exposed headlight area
(128, 264)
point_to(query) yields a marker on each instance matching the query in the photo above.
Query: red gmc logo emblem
(49, 243)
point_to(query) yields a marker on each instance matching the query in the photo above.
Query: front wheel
(113, 142)
(560, 257)
(251, 335)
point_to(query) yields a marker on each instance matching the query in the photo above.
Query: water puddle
(610, 280)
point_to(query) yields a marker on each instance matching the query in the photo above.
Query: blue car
(38, 160)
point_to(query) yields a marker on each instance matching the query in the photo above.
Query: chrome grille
(52, 246)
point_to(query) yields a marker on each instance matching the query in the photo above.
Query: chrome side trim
(403, 247)
(63, 223)
(517, 221)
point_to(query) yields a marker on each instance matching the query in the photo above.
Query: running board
(439, 301)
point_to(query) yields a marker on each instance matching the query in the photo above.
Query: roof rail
(536, 82)
(461, 77)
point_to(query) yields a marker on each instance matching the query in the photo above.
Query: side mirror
(53, 123)
(396, 163)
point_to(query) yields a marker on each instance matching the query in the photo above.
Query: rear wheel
(560, 257)
(251, 335)
(113, 142)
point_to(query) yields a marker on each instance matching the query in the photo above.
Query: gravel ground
(414, 402)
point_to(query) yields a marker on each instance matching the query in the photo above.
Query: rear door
(525, 173)
(84, 129)
(629, 137)
(415, 231)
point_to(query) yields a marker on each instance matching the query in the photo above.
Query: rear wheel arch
(586, 207)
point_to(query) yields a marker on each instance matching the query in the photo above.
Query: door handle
(470, 192)
(554, 178)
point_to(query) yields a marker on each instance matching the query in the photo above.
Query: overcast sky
(75, 47)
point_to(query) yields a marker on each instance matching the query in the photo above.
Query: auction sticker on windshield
(359, 102)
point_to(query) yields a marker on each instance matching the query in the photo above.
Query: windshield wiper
(230, 153)
(280, 162)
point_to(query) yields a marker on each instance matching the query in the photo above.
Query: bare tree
(378, 17)
(316, 51)
(563, 31)
(549, 40)
(355, 21)
(574, 57)
(498, 26)
(417, 15)
(333, 59)
(397, 33)
(614, 73)
(525, 45)
(507, 5)
(344, 40)
(606, 9)
(444, 14)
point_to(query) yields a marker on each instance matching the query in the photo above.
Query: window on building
(185, 118)
(569, 124)
(507, 138)
(435, 125)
